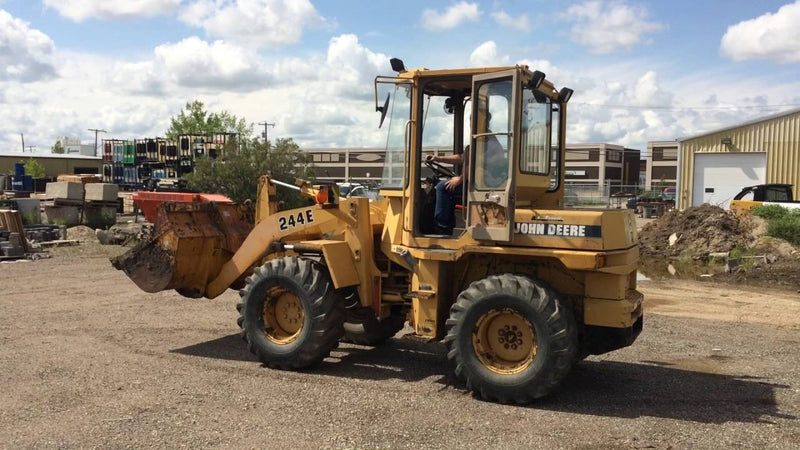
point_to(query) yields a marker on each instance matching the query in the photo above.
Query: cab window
(777, 194)
(535, 133)
(491, 135)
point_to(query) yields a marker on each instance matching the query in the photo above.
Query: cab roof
(421, 71)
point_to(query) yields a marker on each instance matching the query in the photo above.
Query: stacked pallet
(82, 179)
(13, 244)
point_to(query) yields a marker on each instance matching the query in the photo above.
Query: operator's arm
(450, 159)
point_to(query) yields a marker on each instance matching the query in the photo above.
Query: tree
(58, 147)
(34, 168)
(194, 119)
(236, 174)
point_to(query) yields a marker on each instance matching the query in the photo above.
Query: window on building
(577, 154)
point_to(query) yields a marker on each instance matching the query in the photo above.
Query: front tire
(510, 338)
(289, 315)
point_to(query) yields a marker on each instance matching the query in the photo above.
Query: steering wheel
(440, 170)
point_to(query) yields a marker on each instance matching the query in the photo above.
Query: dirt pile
(697, 231)
(123, 234)
(81, 233)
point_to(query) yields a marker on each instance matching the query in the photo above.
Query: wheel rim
(283, 315)
(504, 341)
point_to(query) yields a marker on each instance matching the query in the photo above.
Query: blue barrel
(19, 169)
(27, 183)
(16, 182)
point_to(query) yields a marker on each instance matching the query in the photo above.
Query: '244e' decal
(301, 218)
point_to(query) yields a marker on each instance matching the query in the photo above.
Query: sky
(641, 70)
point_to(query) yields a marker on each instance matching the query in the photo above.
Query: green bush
(769, 212)
(786, 227)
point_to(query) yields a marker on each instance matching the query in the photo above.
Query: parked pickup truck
(764, 194)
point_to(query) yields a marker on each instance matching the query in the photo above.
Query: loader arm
(201, 249)
(271, 229)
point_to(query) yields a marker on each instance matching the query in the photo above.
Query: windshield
(399, 114)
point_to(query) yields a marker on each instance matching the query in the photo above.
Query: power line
(669, 107)
(266, 133)
(95, 137)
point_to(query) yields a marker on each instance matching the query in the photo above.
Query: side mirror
(383, 110)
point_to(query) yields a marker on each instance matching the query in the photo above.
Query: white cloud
(80, 10)
(771, 36)
(454, 16)
(351, 62)
(608, 27)
(485, 55)
(83, 97)
(193, 62)
(253, 23)
(520, 22)
(139, 78)
(25, 53)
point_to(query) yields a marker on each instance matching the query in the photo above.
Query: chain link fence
(610, 195)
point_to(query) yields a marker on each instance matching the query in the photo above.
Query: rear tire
(510, 338)
(289, 315)
(363, 327)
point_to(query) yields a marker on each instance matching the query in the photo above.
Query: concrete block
(100, 216)
(62, 215)
(103, 192)
(29, 210)
(64, 189)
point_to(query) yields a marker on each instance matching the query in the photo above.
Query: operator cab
(466, 146)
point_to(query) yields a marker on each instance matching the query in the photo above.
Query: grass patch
(786, 228)
(744, 255)
(782, 223)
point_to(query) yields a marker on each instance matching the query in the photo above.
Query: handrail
(406, 151)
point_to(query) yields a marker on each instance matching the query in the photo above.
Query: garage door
(720, 176)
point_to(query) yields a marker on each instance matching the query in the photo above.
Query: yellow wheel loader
(516, 286)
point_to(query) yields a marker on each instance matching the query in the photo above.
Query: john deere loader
(518, 291)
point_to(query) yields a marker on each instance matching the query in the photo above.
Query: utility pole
(95, 138)
(23, 142)
(266, 133)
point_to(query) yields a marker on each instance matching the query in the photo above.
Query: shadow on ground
(630, 390)
(598, 388)
(231, 348)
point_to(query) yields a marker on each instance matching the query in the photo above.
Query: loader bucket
(190, 244)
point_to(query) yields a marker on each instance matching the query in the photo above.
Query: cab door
(493, 156)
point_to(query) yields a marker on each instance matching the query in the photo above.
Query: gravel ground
(88, 360)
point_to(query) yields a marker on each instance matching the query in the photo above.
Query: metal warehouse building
(713, 167)
(54, 164)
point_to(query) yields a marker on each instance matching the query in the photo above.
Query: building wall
(601, 164)
(590, 164)
(662, 163)
(778, 136)
(53, 166)
(355, 164)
